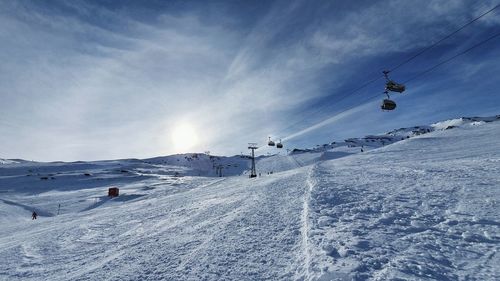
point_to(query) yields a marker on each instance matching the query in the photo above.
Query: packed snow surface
(424, 207)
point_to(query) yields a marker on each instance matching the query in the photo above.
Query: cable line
(444, 38)
(453, 57)
(341, 98)
(423, 72)
(325, 105)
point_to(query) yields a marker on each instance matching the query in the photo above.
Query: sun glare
(184, 137)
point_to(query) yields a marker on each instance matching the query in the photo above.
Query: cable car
(270, 142)
(392, 86)
(388, 104)
(279, 144)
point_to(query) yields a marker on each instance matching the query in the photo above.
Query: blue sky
(84, 80)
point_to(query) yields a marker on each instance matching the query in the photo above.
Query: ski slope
(426, 208)
(422, 208)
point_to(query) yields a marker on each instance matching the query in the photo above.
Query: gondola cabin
(388, 104)
(394, 87)
(279, 144)
(270, 142)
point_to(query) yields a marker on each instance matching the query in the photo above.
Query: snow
(448, 124)
(7, 161)
(421, 208)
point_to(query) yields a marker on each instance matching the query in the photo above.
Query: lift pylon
(253, 147)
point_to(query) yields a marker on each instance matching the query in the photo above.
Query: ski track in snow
(425, 208)
(228, 230)
(306, 248)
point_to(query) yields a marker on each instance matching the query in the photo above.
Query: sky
(90, 80)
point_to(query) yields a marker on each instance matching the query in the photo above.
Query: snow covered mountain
(418, 203)
(9, 161)
(375, 141)
(201, 164)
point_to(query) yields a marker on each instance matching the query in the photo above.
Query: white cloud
(79, 89)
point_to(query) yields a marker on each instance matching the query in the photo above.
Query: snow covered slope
(7, 161)
(192, 229)
(376, 141)
(201, 164)
(423, 208)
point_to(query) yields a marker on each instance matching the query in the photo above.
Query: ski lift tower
(253, 147)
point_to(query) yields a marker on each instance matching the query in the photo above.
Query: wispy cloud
(83, 81)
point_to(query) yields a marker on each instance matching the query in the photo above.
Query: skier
(33, 215)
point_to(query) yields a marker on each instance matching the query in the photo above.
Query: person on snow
(34, 215)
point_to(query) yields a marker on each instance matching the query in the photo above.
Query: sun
(184, 137)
